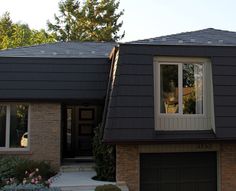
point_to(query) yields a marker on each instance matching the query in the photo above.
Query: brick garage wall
(228, 167)
(127, 165)
(45, 134)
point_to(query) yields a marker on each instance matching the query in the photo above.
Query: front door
(84, 128)
(78, 130)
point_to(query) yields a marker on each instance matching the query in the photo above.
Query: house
(167, 103)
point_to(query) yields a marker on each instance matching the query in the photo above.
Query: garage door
(178, 172)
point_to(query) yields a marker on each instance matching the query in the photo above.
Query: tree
(15, 34)
(93, 20)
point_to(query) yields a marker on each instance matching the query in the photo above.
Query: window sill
(14, 151)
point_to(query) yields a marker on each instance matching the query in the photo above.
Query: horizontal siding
(225, 100)
(22, 76)
(130, 80)
(145, 69)
(133, 91)
(51, 94)
(131, 123)
(224, 80)
(49, 85)
(55, 68)
(131, 115)
(131, 112)
(28, 78)
(131, 101)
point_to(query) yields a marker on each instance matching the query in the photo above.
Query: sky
(142, 18)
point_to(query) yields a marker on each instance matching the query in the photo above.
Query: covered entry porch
(78, 123)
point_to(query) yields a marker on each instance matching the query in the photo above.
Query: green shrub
(104, 156)
(108, 187)
(27, 187)
(15, 170)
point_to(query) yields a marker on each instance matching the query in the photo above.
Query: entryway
(78, 123)
(178, 172)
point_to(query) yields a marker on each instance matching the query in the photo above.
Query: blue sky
(142, 18)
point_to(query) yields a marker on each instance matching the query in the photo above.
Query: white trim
(180, 88)
(8, 127)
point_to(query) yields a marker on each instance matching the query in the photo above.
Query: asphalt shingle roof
(205, 37)
(62, 50)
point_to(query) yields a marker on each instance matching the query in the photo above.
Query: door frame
(65, 153)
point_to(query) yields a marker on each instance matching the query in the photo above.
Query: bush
(104, 156)
(108, 187)
(27, 187)
(16, 170)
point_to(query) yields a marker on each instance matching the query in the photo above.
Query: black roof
(205, 37)
(62, 50)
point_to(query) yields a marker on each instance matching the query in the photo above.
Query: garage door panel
(153, 175)
(168, 174)
(168, 187)
(187, 186)
(178, 171)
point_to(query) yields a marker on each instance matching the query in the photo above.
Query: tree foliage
(91, 20)
(14, 35)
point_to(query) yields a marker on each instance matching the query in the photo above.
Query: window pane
(19, 126)
(192, 88)
(3, 111)
(69, 128)
(169, 88)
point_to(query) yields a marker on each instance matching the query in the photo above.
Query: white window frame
(180, 88)
(8, 119)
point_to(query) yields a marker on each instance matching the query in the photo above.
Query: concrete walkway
(79, 181)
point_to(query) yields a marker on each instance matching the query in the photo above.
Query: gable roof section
(62, 50)
(205, 37)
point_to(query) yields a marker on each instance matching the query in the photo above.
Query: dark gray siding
(131, 112)
(53, 78)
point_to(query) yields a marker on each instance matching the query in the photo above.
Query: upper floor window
(181, 88)
(14, 125)
(183, 94)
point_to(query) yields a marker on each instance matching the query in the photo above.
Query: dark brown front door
(178, 172)
(78, 130)
(84, 128)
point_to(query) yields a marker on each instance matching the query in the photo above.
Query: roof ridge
(181, 33)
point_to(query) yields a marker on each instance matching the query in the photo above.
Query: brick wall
(128, 161)
(228, 167)
(44, 130)
(127, 166)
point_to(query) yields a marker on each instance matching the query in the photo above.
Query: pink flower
(39, 177)
(32, 181)
(36, 182)
(31, 174)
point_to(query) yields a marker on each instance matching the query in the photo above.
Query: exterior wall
(127, 166)
(228, 167)
(44, 132)
(128, 161)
